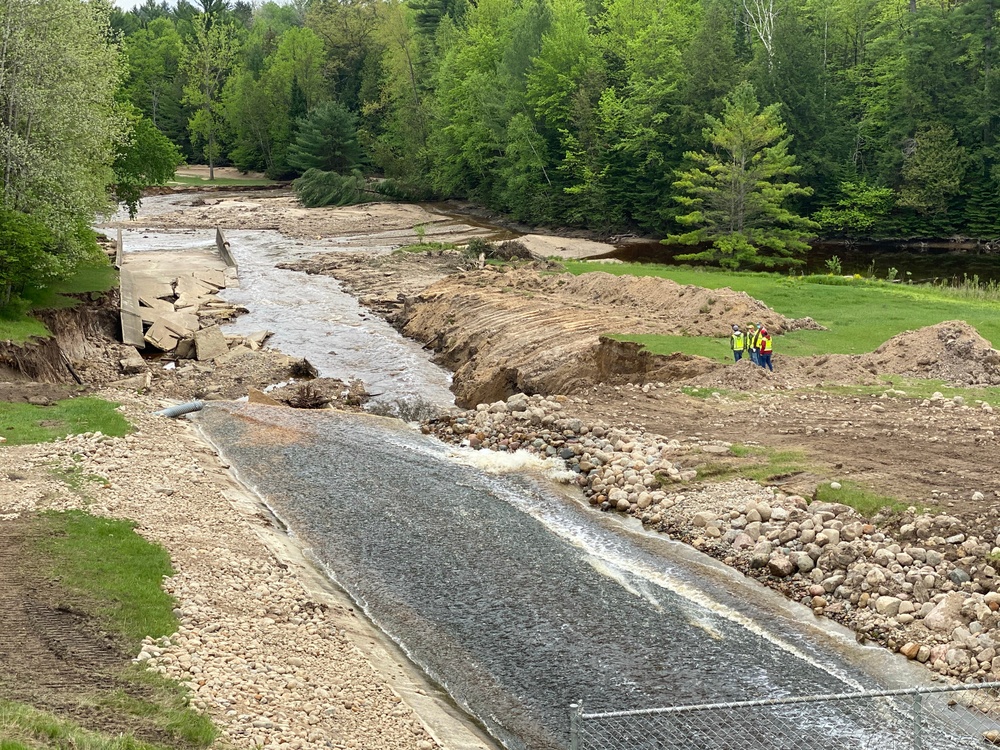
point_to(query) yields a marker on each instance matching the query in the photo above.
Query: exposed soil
(53, 654)
(536, 331)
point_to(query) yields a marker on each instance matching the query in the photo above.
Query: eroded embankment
(81, 346)
(505, 330)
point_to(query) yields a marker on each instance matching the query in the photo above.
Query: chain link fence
(937, 718)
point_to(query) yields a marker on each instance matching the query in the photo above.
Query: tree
(327, 140)
(208, 62)
(146, 158)
(736, 194)
(858, 210)
(59, 120)
(932, 171)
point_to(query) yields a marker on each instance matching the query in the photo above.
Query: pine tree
(736, 194)
(326, 140)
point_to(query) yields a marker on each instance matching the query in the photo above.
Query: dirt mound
(952, 351)
(745, 376)
(675, 308)
(520, 329)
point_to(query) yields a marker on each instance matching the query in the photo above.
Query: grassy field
(860, 315)
(25, 423)
(105, 569)
(16, 323)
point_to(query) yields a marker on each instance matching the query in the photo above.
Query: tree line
(740, 127)
(598, 113)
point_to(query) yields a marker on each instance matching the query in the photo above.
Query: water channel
(505, 589)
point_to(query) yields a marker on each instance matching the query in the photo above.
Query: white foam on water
(611, 556)
(515, 462)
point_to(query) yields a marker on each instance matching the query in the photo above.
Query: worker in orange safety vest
(764, 357)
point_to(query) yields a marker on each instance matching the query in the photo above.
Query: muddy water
(520, 600)
(311, 316)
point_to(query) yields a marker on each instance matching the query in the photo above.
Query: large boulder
(947, 614)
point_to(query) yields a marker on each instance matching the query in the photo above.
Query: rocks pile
(926, 587)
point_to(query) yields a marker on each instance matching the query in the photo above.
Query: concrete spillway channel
(167, 295)
(521, 601)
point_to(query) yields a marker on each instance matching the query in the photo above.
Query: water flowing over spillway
(518, 600)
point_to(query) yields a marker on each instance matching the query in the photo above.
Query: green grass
(863, 500)
(114, 575)
(16, 323)
(106, 562)
(25, 728)
(169, 710)
(763, 465)
(188, 180)
(25, 423)
(425, 247)
(860, 315)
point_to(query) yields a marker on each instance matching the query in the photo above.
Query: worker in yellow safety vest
(753, 344)
(765, 350)
(739, 343)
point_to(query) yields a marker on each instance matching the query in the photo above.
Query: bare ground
(536, 331)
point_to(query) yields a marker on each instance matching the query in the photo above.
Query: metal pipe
(180, 409)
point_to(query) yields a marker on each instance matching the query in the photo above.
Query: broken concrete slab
(134, 383)
(210, 343)
(148, 290)
(257, 338)
(185, 349)
(133, 363)
(209, 276)
(159, 305)
(189, 286)
(162, 337)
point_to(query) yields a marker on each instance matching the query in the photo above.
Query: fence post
(575, 710)
(918, 742)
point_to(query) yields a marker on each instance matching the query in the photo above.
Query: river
(506, 589)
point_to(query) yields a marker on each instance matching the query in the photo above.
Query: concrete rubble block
(134, 383)
(189, 286)
(147, 290)
(162, 337)
(156, 305)
(191, 302)
(133, 363)
(212, 277)
(210, 343)
(185, 349)
(182, 325)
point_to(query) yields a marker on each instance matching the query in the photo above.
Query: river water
(508, 591)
